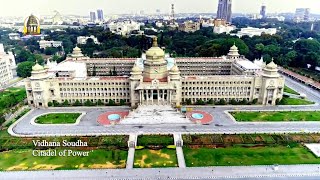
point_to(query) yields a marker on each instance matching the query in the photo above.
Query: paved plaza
(155, 114)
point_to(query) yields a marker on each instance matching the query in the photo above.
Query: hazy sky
(82, 7)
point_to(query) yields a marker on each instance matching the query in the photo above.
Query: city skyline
(83, 7)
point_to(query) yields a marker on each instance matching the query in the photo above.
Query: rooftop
(248, 65)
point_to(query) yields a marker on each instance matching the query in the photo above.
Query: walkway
(155, 114)
(244, 172)
(180, 156)
(132, 143)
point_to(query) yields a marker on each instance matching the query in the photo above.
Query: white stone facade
(7, 64)
(83, 39)
(250, 31)
(44, 44)
(155, 79)
(123, 28)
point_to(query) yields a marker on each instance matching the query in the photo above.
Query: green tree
(50, 104)
(77, 103)
(222, 102)
(88, 103)
(188, 101)
(65, 103)
(100, 103)
(111, 103)
(122, 102)
(210, 101)
(24, 69)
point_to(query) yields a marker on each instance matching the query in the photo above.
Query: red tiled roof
(304, 79)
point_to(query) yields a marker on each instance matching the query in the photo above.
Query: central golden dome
(155, 52)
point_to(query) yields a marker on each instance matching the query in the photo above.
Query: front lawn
(289, 90)
(58, 118)
(147, 158)
(22, 159)
(276, 116)
(239, 156)
(294, 101)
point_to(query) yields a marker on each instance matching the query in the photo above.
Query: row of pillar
(161, 95)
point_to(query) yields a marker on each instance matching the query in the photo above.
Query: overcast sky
(82, 7)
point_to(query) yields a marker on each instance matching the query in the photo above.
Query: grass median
(58, 118)
(277, 116)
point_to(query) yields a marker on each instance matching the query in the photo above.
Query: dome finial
(155, 41)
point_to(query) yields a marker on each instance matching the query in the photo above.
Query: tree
(77, 103)
(50, 104)
(111, 103)
(222, 102)
(88, 103)
(24, 69)
(211, 101)
(233, 102)
(188, 101)
(255, 101)
(313, 59)
(65, 103)
(122, 102)
(200, 102)
(100, 103)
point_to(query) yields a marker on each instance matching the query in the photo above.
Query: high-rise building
(93, 17)
(306, 16)
(224, 10)
(100, 15)
(263, 11)
(302, 14)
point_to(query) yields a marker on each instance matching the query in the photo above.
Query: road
(233, 172)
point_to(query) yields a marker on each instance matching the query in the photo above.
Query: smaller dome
(136, 69)
(37, 67)
(234, 48)
(272, 65)
(175, 68)
(76, 49)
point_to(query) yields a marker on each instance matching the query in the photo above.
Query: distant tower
(100, 15)
(263, 11)
(312, 27)
(172, 16)
(224, 10)
(93, 17)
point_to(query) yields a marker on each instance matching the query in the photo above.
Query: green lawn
(11, 97)
(237, 156)
(289, 90)
(147, 158)
(145, 140)
(58, 118)
(97, 159)
(294, 101)
(277, 116)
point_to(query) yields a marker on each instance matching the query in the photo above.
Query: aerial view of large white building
(155, 78)
(7, 64)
